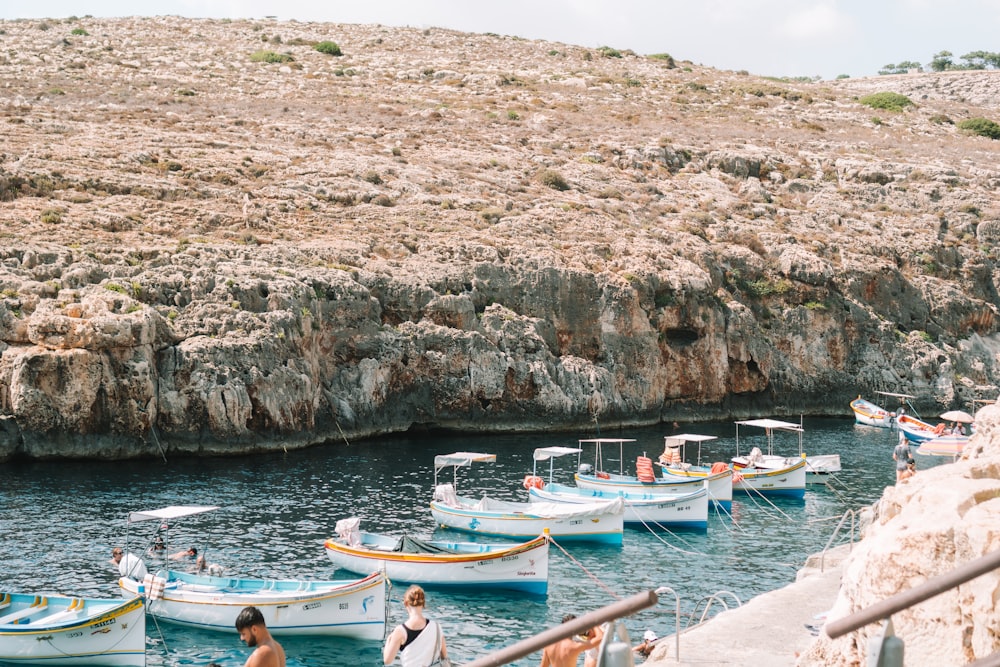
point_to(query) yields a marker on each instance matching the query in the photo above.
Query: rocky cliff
(924, 527)
(217, 238)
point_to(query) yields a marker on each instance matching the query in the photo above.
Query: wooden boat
(521, 567)
(347, 607)
(866, 412)
(59, 630)
(687, 510)
(720, 484)
(598, 520)
(818, 467)
(353, 608)
(758, 473)
(918, 431)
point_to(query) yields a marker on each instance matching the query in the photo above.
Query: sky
(793, 38)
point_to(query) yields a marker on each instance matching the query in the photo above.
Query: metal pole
(677, 619)
(906, 599)
(577, 626)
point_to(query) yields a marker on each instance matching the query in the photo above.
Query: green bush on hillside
(984, 127)
(329, 48)
(887, 101)
(270, 57)
(608, 52)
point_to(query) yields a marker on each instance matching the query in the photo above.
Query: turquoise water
(58, 522)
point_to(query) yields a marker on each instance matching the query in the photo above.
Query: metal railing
(849, 514)
(882, 611)
(577, 626)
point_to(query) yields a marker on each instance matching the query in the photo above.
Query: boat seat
(63, 615)
(4, 600)
(23, 613)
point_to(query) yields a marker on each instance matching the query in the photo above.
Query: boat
(918, 431)
(818, 467)
(63, 630)
(719, 484)
(685, 510)
(599, 520)
(353, 608)
(866, 412)
(521, 567)
(945, 445)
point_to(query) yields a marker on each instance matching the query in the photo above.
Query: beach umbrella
(958, 416)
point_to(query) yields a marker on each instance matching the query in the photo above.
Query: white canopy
(463, 459)
(771, 423)
(605, 441)
(687, 437)
(172, 512)
(546, 453)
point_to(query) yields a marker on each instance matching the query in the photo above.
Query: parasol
(957, 416)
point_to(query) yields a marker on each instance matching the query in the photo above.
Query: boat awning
(943, 446)
(892, 393)
(546, 453)
(772, 423)
(463, 459)
(605, 441)
(686, 437)
(172, 512)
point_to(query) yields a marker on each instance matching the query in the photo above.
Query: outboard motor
(586, 469)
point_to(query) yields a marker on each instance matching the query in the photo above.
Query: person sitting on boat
(418, 641)
(129, 565)
(957, 429)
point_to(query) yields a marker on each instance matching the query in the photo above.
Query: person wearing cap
(646, 647)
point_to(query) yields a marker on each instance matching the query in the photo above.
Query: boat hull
(345, 608)
(869, 414)
(520, 567)
(916, 430)
(601, 521)
(720, 485)
(100, 632)
(785, 482)
(686, 511)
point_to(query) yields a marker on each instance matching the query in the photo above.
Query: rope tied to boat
(590, 574)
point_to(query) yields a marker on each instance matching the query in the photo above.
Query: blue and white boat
(598, 520)
(521, 567)
(719, 484)
(64, 630)
(650, 510)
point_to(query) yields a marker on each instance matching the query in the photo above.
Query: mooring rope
(588, 572)
(672, 534)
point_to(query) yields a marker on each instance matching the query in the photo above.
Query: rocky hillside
(220, 236)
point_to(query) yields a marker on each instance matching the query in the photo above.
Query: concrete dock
(768, 631)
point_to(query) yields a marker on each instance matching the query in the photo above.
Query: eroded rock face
(207, 253)
(260, 356)
(927, 526)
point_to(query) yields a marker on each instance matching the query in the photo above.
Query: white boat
(818, 467)
(720, 484)
(521, 567)
(353, 608)
(870, 414)
(599, 521)
(919, 431)
(688, 510)
(347, 607)
(60, 630)
(759, 475)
